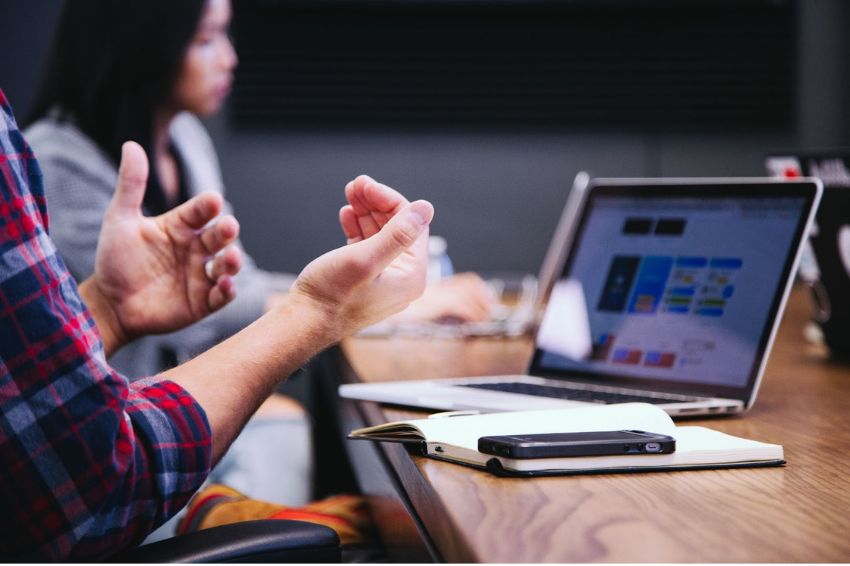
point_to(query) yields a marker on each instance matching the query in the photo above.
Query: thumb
(132, 177)
(397, 235)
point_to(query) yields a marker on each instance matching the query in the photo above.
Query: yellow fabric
(221, 505)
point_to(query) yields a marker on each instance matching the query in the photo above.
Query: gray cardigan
(79, 179)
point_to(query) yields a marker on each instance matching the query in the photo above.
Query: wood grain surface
(797, 513)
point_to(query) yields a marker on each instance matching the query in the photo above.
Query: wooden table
(797, 513)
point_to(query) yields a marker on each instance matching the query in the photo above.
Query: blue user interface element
(651, 282)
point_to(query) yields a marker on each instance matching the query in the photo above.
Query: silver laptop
(670, 292)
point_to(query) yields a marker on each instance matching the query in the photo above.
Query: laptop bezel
(808, 188)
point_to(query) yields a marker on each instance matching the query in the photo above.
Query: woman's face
(207, 72)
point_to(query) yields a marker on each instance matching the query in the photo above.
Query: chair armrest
(248, 541)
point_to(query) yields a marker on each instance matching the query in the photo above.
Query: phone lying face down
(568, 444)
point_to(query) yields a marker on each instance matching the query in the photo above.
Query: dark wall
(26, 30)
(498, 193)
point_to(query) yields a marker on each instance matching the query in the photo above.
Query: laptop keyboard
(602, 397)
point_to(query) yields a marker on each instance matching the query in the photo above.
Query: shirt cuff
(177, 438)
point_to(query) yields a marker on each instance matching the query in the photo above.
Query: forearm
(233, 378)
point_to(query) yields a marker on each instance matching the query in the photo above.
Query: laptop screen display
(678, 286)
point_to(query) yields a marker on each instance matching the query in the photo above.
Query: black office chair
(249, 541)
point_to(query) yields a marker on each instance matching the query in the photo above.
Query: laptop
(825, 264)
(670, 292)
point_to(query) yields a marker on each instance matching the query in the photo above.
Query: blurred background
(489, 108)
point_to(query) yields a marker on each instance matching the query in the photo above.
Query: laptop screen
(680, 284)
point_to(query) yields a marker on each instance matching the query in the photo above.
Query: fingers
(368, 226)
(349, 224)
(476, 292)
(220, 271)
(461, 298)
(227, 262)
(372, 203)
(196, 212)
(366, 196)
(478, 310)
(467, 309)
(132, 178)
(221, 293)
(399, 234)
(221, 234)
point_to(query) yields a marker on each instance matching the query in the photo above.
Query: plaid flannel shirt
(89, 464)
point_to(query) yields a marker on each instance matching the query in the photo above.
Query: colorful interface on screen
(679, 289)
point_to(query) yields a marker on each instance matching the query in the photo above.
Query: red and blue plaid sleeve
(89, 464)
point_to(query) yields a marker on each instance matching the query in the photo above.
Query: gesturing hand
(150, 272)
(383, 267)
(464, 297)
(370, 206)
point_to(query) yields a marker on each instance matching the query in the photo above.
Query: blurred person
(146, 71)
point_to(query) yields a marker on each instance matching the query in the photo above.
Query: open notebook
(455, 439)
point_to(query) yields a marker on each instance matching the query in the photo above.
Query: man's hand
(150, 273)
(381, 270)
(464, 297)
(370, 206)
(378, 273)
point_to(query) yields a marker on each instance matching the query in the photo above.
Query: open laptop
(825, 264)
(671, 293)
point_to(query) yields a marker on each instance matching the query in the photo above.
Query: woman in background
(127, 70)
(145, 71)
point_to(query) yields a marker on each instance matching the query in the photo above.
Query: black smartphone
(567, 444)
